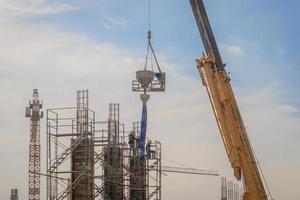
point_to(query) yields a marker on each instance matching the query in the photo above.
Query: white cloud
(34, 7)
(289, 109)
(107, 27)
(116, 21)
(233, 50)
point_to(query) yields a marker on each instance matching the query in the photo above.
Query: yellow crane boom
(217, 82)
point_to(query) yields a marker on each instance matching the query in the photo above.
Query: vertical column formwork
(137, 168)
(70, 151)
(137, 179)
(113, 173)
(35, 114)
(82, 157)
(113, 158)
(82, 170)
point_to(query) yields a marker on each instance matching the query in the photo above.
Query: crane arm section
(205, 30)
(217, 82)
(193, 171)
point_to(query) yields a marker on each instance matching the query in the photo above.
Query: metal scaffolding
(14, 194)
(123, 175)
(223, 188)
(89, 159)
(145, 172)
(230, 190)
(70, 154)
(113, 157)
(35, 114)
(236, 192)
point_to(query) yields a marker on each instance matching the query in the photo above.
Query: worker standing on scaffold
(131, 141)
(150, 152)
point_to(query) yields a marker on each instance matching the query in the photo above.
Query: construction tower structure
(113, 157)
(70, 151)
(223, 188)
(14, 194)
(82, 157)
(89, 159)
(35, 114)
(145, 173)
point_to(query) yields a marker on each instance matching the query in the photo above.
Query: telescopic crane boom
(217, 82)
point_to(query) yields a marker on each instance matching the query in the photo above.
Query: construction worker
(150, 152)
(131, 141)
(148, 149)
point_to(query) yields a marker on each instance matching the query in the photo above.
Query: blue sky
(60, 46)
(267, 31)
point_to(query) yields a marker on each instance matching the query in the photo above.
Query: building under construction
(14, 194)
(230, 190)
(89, 159)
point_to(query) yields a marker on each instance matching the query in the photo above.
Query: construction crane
(35, 114)
(217, 82)
(184, 170)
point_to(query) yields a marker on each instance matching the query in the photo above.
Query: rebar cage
(89, 159)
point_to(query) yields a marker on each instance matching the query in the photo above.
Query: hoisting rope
(261, 172)
(150, 50)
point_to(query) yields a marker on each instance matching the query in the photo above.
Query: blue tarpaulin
(143, 130)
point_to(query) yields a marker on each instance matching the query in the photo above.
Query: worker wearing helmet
(150, 152)
(131, 141)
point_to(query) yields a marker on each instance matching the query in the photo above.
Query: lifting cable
(261, 172)
(150, 51)
(142, 139)
(148, 82)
